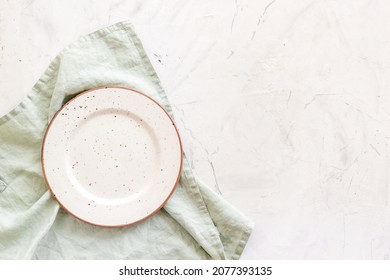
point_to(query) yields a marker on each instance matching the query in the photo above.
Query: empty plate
(112, 156)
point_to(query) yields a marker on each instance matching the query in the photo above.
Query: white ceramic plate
(112, 156)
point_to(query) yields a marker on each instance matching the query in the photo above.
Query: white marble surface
(283, 106)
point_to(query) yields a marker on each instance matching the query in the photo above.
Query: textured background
(283, 106)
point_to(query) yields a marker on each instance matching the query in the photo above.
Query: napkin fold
(195, 223)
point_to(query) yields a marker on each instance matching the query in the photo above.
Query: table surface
(283, 106)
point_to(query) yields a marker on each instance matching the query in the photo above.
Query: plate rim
(43, 158)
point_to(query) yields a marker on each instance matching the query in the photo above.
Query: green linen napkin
(196, 223)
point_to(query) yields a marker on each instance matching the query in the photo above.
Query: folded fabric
(195, 223)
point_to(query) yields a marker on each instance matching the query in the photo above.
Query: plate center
(112, 154)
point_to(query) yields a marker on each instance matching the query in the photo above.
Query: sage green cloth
(196, 223)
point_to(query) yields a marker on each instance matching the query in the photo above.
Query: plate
(112, 156)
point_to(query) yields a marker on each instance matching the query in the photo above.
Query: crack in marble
(214, 174)
(158, 58)
(28, 4)
(230, 55)
(375, 149)
(315, 97)
(205, 150)
(234, 16)
(261, 18)
(109, 11)
(289, 98)
(265, 10)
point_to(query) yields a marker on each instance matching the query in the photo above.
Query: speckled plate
(112, 156)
